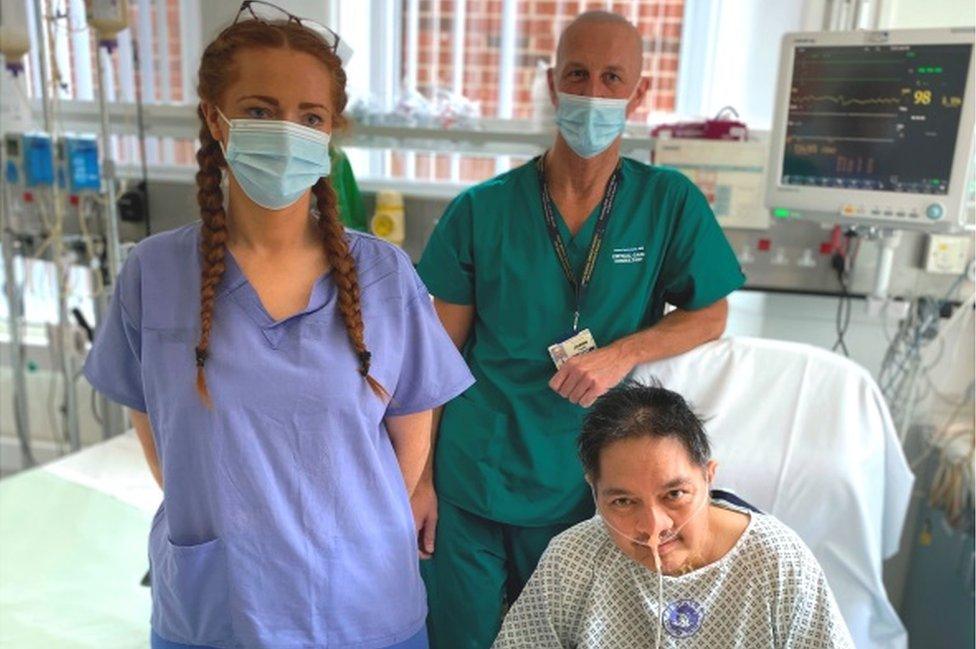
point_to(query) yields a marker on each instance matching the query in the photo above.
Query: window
(490, 52)
(460, 45)
(148, 58)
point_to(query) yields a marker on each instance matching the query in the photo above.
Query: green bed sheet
(71, 563)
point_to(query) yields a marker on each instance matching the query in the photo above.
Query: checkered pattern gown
(767, 591)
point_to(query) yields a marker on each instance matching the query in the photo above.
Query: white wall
(903, 14)
(745, 55)
(808, 319)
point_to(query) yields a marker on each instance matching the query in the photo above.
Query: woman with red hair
(281, 373)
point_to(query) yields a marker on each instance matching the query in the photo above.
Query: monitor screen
(882, 118)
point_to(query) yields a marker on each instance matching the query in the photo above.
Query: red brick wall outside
(184, 149)
(539, 23)
(173, 49)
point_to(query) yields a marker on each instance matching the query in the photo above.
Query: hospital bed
(805, 435)
(73, 537)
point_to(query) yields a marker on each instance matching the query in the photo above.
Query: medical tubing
(670, 535)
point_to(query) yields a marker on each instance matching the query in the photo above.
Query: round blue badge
(683, 618)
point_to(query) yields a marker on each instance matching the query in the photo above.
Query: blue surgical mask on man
(274, 161)
(590, 124)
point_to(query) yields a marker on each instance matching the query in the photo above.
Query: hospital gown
(767, 591)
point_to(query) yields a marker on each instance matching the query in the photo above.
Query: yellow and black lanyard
(580, 285)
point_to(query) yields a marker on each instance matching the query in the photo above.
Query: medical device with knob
(874, 128)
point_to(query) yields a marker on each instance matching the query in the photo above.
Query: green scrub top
(506, 448)
(351, 208)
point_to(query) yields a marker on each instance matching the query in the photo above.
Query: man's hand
(585, 378)
(424, 506)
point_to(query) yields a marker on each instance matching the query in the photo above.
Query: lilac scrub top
(285, 520)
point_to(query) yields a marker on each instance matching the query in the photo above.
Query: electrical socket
(946, 254)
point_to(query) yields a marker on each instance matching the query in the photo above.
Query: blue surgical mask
(590, 124)
(275, 162)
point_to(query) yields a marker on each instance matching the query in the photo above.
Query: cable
(725, 110)
(99, 281)
(914, 332)
(83, 323)
(94, 407)
(839, 317)
(842, 262)
(63, 15)
(23, 98)
(62, 271)
(143, 186)
(57, 433)
(842, 319)
(904, 377)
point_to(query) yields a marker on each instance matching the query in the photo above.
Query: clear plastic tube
(668, 535)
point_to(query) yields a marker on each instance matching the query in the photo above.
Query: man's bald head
(599, 55)
(601, 26)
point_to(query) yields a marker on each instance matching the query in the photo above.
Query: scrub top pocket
(190, 590)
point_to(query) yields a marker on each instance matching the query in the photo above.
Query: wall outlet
(946, 254)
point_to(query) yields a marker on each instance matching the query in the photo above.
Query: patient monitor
(874, 128)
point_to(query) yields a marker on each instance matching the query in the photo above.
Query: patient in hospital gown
(729, 575)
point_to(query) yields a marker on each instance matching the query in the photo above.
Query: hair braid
(213, 240)
(344, 274)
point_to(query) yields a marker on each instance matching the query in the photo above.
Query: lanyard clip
(576, 321)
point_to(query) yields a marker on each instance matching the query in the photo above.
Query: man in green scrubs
(505, 477)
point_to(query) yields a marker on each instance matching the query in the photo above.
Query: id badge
(580, 343)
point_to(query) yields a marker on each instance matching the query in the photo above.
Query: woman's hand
(424, 506)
